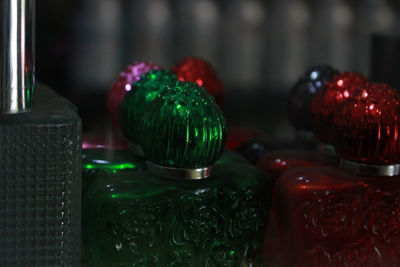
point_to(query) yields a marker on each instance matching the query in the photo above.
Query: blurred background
(259, 47)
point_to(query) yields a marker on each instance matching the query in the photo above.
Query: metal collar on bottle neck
(369, 169)
(178, 173)
(17, 57)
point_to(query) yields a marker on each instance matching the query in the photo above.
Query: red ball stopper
(367, 127)
(123, 84)
(199, 71)
(328, 100)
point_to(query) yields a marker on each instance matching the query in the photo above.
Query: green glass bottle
(182, 211)
(230, 156)
(101, 159)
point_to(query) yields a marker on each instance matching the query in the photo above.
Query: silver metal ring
(178, 173)
(369, 169)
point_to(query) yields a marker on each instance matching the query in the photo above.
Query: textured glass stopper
(367, 127)
(200, 71)
(123, 84)
(303, 92)
(184, 128)
(328, 100)
(134, 104)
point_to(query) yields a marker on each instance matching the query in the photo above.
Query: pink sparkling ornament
(130, 75)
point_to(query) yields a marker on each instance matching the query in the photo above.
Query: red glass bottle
(277, 162)
(347, 215)
(300, 101)
(255, 148)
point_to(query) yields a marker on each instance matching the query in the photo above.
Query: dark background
(259, 47)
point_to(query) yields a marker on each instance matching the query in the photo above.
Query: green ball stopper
(183, 127)
(134, 104)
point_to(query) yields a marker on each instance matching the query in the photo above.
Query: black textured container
(40, 187)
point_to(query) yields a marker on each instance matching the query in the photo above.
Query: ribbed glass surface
(136, 101)
(183, 128)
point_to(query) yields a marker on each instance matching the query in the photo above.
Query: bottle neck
(369, 169)
(305, 136)
(178, 173)
(327, 149)
(136, 150)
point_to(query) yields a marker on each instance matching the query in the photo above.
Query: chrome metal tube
(17, 57)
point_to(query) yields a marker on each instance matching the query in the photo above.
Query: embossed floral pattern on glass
(182, 211)
(138, 218)
(327, 217)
